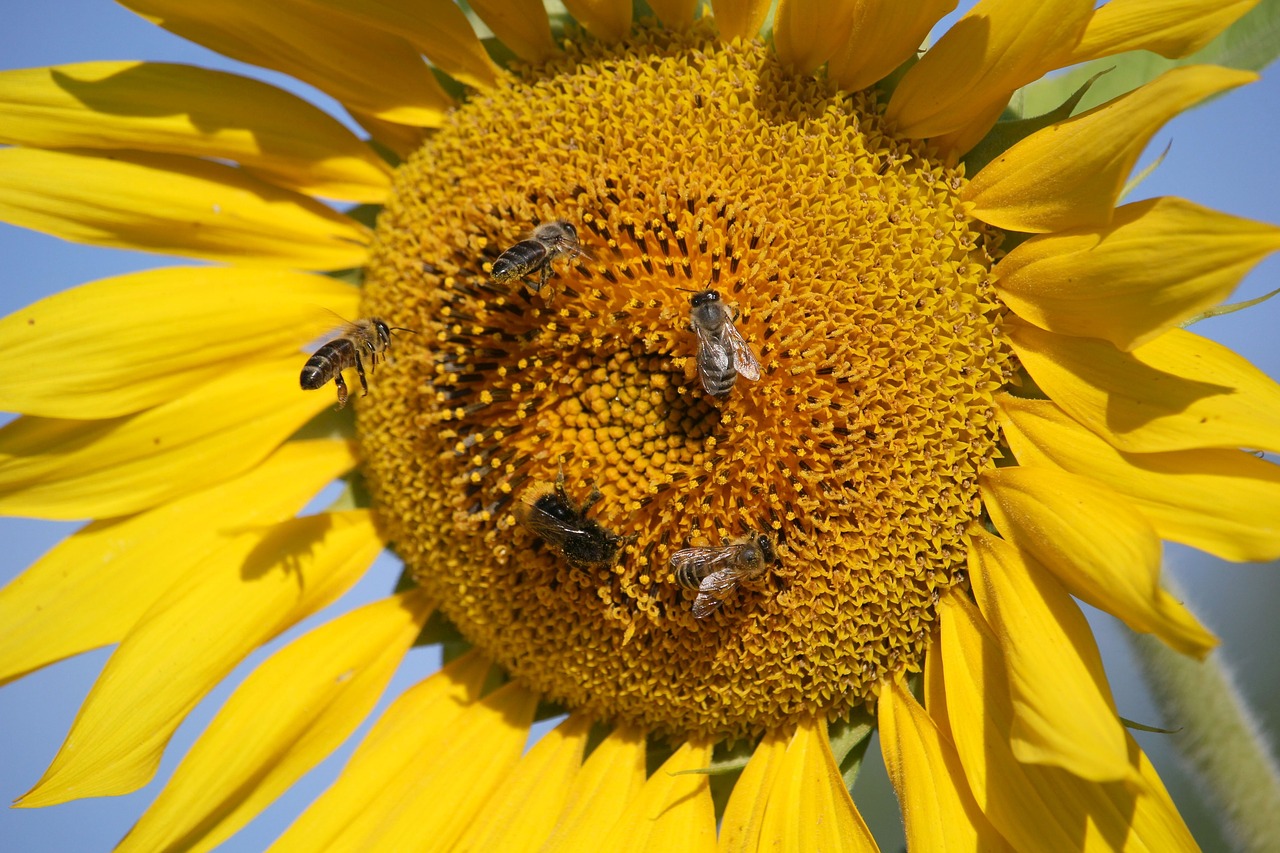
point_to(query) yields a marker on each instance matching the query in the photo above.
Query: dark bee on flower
(554, 518)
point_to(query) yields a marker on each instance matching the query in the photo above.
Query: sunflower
(962, 397)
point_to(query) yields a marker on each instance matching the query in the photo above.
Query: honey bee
(723, 354)
(533, 256)
(369, 337)
(716, 572)
(553, 518)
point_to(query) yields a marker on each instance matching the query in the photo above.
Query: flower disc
(685, 165)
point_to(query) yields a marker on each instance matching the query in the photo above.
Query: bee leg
(360, 370)
(592, 499)
(342, 390)
(543, 276)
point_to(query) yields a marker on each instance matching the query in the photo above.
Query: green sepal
(438, 629)
(1006, 134)
(850, 738)
(1142, 727)
(1221, 310)
(547, 709)
(332, 423)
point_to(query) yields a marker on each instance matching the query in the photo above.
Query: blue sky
(1220, 156)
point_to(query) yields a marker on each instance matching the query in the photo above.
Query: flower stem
(1218, 738)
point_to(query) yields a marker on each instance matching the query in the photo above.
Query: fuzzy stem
(1218, 738)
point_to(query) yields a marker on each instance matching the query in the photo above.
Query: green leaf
(1251, 43)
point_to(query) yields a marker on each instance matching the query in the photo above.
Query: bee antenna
(403, 329)
(687, 290)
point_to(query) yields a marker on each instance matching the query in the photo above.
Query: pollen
(852, 272)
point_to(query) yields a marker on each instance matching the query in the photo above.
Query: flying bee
(355, 341)
(553, 518)
(534, 255)
(723, 354)
(716, 572)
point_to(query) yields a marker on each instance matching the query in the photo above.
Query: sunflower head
(736, 374)
(845, 259)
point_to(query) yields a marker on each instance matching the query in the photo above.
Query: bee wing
(715, 588)
(547, 527)
(744, 360)
(325, 325)
(713, 359)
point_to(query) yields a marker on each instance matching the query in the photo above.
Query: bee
(533, 256)
(723, 354)
(369, 338)
(716, 572)
(553, 518)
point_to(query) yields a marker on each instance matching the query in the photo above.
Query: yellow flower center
(852, 274)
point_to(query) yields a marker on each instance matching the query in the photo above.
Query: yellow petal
(445, 790)
(1159, 263)
(397, 747)
(884, 34)
(609, 780)
(522, 25)
(1220, 501)
(1097, 544)
(997, 47)
(120, 345)
(806, 33)
(53, 468)
(1069, 175)
(809, 807)
(364, 67)
(287, 716)
(1171, 28)
(1179, 392)
(938, 810)
(92, 588)
(523, 810)
(744, 814)
(676, 14)
(238, 598)
(607, 20)
(438, 28)
(1033, 806)
(1064, 714)
(174, 205)
(671, 812)
(182, 109)
(740, 18)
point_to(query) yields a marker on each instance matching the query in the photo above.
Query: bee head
(704, 297)
(766, 549)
